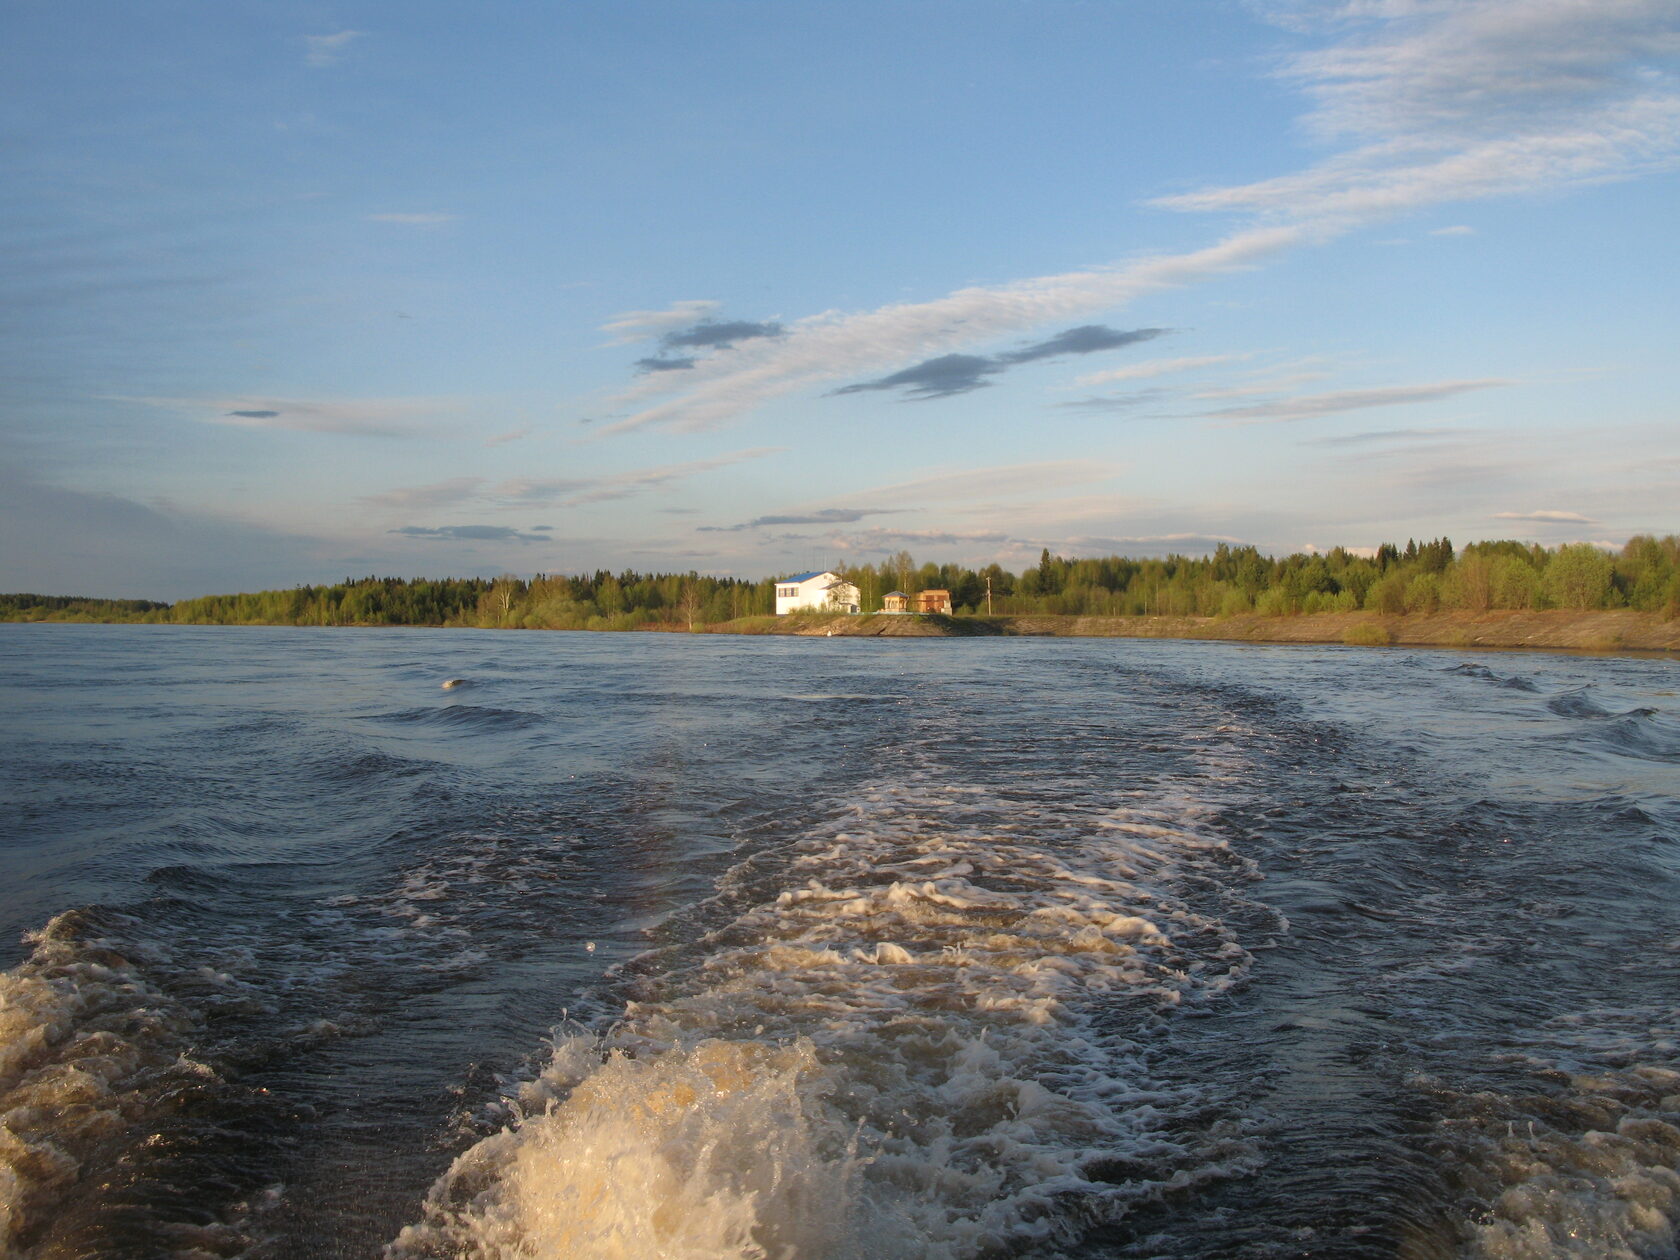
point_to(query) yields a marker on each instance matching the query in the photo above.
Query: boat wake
(932, 1039)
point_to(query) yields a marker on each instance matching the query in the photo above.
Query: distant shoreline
(1549, 630)
(1607, 630)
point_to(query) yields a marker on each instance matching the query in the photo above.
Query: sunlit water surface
(645, 946)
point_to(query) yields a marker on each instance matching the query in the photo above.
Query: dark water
(641, 946)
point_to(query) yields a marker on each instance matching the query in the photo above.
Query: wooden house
(823, 591)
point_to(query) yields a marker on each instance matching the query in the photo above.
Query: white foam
(83, 1040)
(898, 1054)
(1589, 1165)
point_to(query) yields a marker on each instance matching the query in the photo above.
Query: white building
(817, 592)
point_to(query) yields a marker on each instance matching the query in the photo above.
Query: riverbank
(1551, 630)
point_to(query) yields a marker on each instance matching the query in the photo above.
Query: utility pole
(988, 594)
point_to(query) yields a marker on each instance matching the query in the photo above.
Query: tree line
(1421, 577)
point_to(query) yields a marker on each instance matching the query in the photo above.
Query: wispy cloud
(1002, 481)
(468, 533)
(1385, 436)
(889, 540)
(825, 516)
(1115, 402)
(1269, 381)
(943, 377)
(1457, 229)
(1473, 99)
(429, 218)
(711, 334)
(952, 374)
(1546, 516)
(576, 491)
(1426, 102)
(359, 417)
(425, 498)
(1086, 339)
(1304, 406)
(512, 435)
(705, 335)
(1151, 368)
(633, 326)
(830, 346)
(573, 491)
(326, 50)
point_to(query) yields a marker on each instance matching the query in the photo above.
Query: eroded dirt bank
(1604, 631)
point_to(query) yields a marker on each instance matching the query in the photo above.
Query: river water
(691, 946)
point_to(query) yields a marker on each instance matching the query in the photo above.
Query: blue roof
(805, 577)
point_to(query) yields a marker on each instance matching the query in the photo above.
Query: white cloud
(1457, 229)
(1546, 515)
(325, 50)
(634, 326)
(1151, 368)
(512, 435)
(1303, 406)
(1473, 99)
(1430, 101)
(833, 346)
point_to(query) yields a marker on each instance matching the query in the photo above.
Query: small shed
(895, 602)
(933, 602)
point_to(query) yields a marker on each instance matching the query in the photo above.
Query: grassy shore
(1557, 629)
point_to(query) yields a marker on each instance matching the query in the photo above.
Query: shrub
(1578, 576)
(1515, 584)
(1368, 634)
(1234, 604)
(1387, 594)
(1424, 594)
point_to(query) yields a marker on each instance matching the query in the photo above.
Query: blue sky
(297, 291)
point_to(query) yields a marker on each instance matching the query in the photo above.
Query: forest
(1421, 577)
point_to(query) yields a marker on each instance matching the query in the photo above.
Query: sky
(300, 291)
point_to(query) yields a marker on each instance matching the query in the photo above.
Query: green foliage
(1423, 594)
(1388, 593)
(1578, 576)
(1368, 634)
(75, 608)
(1233, 581)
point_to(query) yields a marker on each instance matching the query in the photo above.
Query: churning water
(655, 946)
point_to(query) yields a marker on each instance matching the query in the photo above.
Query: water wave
(93, 1043)
(1576, 704)
(1513, 681)
(464, 717)
(924, 1039)
(1582, 1159)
